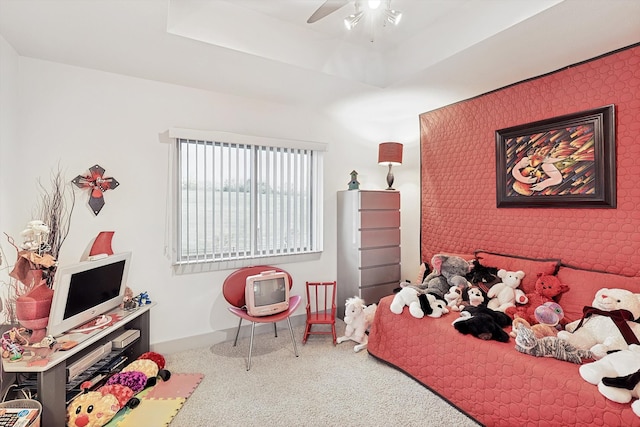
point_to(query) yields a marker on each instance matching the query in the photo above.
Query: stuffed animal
(454, 298)
(475, 297)
(599, 332)
(419, 303)
(539, 330)
(97, 408)
(462, 295)
(482, 276)
(547, 288)
(550, 313)
(422, 273)
(527, 343)
(483, 323)
(445, 269)
(505, 294)
(622, 389)
(617, 376)
(358, 317)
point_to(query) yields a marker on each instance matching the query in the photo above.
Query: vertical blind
(241, 201)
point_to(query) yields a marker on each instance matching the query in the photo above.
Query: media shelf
(52, 388)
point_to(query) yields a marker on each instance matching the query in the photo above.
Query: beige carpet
(325, 386)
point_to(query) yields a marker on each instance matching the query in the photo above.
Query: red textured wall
(459, 212)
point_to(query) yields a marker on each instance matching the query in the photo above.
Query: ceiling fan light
(393, 16)
(352, 20)
(374, 4)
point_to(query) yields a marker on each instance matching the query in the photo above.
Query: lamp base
(390, 179)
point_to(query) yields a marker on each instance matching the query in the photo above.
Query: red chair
(321, 308)
(233, 291)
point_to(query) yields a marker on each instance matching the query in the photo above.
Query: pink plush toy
(547, 288)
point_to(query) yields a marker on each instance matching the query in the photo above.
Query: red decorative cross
(97, 185)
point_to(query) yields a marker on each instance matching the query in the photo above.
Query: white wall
(75, 117)
(8, 142)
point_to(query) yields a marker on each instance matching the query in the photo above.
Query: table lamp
(390, 153)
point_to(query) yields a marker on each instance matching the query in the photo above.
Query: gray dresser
(368, 245)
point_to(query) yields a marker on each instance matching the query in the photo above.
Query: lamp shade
(390, 153)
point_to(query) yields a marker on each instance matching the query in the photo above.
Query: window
(239, 200)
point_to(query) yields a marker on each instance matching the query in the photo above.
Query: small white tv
(267, 293)
(87, 290)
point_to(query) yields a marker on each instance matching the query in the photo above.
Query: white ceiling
(442, 51)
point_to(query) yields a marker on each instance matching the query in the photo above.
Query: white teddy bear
(408, 296)
(623, 363)
(599, 333)
(504, 294)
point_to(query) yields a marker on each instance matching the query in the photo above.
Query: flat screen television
(267, 293)
(87, 290)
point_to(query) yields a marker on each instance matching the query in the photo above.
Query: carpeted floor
(325, 386)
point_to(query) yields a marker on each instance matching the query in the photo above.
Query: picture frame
(567, 161)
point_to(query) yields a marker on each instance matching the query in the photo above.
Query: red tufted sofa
(490, 381)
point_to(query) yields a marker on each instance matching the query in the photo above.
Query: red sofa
(491, 381)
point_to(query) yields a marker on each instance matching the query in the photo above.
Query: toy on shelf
(128, 301)
(38, 354)
(143, 299)
(13, 343)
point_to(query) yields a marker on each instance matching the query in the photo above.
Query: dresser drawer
(379, 200)
(379, 256)
(372, 238)
(372, 295)
(379, 219)
(380, 275)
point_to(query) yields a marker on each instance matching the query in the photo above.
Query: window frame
(189, 265)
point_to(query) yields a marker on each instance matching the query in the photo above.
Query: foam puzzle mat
(160, 403)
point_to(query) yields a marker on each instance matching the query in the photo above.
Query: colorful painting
(567, 161)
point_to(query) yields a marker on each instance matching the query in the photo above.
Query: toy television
(267, 293)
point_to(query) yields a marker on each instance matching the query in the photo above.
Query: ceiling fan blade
(328, 7)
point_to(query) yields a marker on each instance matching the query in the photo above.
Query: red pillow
(583, 285)
(530, 266)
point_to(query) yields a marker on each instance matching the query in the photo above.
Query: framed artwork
(566, 161)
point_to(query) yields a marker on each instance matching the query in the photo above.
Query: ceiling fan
(327, 8)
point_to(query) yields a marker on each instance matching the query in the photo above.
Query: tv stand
(51, 379)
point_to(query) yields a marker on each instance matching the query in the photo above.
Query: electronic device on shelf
(84, 363)
(87, 290)
(267, 293)
(125, 338)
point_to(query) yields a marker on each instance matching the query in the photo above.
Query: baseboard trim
(215, 337)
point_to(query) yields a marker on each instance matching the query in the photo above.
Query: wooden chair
(233, 291)
(321, 308)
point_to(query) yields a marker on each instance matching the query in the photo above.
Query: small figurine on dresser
(354, 184)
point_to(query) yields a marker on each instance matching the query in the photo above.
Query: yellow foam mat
(152, 412)
(158, 404)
